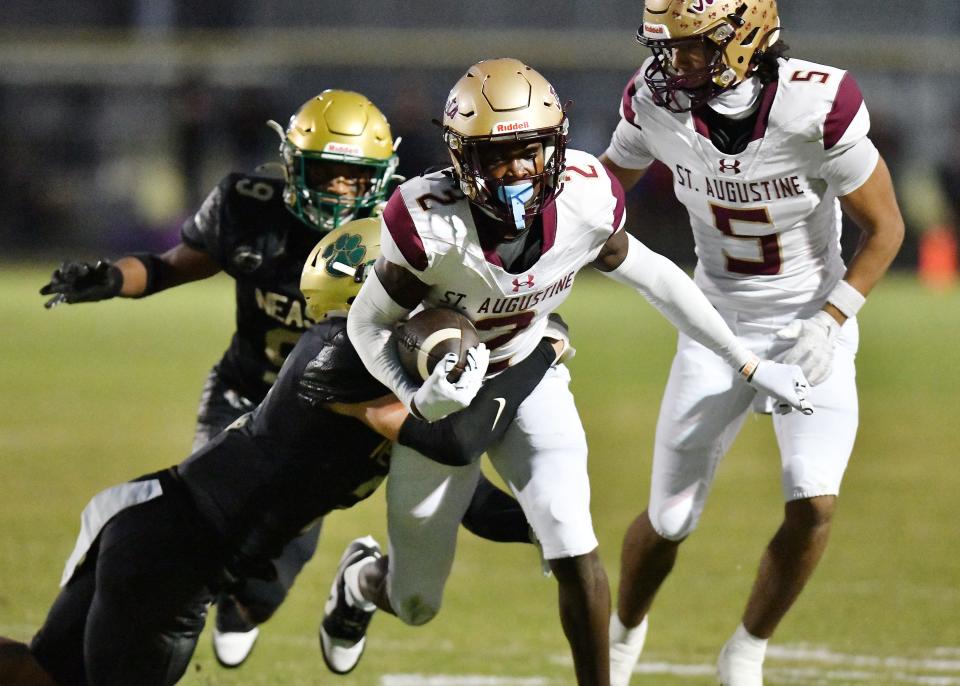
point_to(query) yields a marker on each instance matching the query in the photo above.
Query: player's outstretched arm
(132, 276)
(673, 293)
(460, 438)
(387, 296)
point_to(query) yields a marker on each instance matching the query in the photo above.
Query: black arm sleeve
(461, 438)
(495, 515)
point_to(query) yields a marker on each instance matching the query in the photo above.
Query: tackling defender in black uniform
(154, 551)
(338, 159)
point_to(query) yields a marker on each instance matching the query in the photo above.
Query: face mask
(515, 197)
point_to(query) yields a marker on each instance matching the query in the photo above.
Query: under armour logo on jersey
(528, 282)
(727, 168)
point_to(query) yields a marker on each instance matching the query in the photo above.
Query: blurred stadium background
(117, 117)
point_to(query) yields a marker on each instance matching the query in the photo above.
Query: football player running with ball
(154, 551)
(495, 237)
(765, 151)
(338, 158)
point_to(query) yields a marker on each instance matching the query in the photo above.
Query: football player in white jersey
(764, 151)
(494, 237)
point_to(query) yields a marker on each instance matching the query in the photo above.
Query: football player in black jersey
(338, 157)
(154, 551)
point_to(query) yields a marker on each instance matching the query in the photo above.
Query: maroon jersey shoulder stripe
(617, 189)
(628, 112)
(845, 108)
(549, 215)
(763, 112)
(398, 221)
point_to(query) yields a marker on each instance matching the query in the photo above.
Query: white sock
(747, 644)
(622, 634)
(351, 583)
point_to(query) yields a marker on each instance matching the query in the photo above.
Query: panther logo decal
(348, 250)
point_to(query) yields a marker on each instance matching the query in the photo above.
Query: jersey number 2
(769, 245)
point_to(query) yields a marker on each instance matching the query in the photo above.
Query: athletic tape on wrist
(846, 298)
(749, 367)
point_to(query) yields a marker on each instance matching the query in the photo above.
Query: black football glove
(77, 282)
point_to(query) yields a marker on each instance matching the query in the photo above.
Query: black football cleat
(343, 631)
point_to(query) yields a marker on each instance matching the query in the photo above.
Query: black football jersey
(246, 228)
(291, 460)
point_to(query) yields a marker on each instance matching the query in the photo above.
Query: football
(426, 337)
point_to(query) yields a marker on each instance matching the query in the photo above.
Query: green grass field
(95, 394)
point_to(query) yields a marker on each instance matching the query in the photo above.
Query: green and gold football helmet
(732, 33)
(338, 157)
(338, 265)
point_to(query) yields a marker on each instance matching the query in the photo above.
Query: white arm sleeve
(370, 323)
(675, 295)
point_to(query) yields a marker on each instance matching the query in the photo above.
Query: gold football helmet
(336, 138)
(732, 34)
(338, 265)
(505, 101)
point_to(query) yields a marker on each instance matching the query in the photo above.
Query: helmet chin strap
(516, 196)
(738, 102)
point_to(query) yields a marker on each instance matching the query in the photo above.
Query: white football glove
(785, 383)
(813, 350)
(438, 397)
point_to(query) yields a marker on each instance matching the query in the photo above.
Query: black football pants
(220, 406)
(134, 609)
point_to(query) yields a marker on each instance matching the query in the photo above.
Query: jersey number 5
(769, 245)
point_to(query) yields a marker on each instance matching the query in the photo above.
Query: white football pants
(705, 403)
(542, 457)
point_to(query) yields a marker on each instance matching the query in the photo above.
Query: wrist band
(156, 272)
(749, 367)
(846, 298)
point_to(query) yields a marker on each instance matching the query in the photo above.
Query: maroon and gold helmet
(732, 33)
(501, 101)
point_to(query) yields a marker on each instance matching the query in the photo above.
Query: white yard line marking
(670, 668)
(459, 680)
(824, 666)
(826, 656)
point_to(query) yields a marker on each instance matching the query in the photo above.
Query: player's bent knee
(675, 522)
(416, 610)
(811, 513)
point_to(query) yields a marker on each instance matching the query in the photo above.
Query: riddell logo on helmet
(510, 126)
(343, 149)
(658, 30)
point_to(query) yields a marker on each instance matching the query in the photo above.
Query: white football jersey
(766, 221)
(428, 228)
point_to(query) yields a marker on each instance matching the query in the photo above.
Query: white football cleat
(739, 665)
(343, 631)
(231, 648)
(625, 648)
